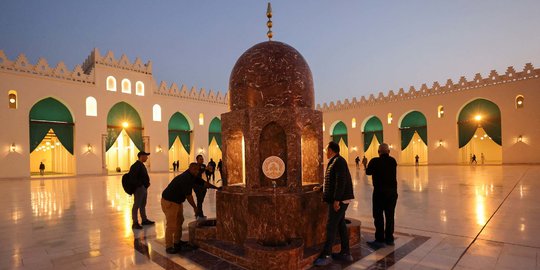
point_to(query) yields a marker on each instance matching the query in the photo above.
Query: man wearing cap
(140, 178)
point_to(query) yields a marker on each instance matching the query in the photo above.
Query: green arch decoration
(491, 121)
(179, 127)
(340, 132)
(214, 131)
(414, 121)
(122, 112)
(373, 127)
(47, 114)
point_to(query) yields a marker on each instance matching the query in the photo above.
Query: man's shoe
(345, 257)
(375, 244)
(180, 244)
(389, 243)
(201, 218)
(323, 261)
(148, 222)
(171, 250)
(136, 226)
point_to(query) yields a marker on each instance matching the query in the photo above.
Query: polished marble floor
(460, 217)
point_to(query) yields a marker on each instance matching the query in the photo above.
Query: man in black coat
(139, 176)
(383, 171)
(337, 193)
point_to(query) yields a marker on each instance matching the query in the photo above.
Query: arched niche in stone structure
(273, 142)
(235, 167)
(310, 157)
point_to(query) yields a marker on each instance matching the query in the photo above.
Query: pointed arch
(372, 127)
(48, 114)
(214, 131)
(123, 116)
(179, 127)
(479, 113)
(339, 132)
(412, 122)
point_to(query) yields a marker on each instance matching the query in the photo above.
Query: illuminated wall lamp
(441, 142)
(89, 148)
(520, 138)
(159, 149)
(12, 148)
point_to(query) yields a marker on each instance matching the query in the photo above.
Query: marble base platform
(252, 254)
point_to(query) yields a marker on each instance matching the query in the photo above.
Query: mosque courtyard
(460, 217)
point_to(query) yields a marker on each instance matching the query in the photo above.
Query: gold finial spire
(269, 34)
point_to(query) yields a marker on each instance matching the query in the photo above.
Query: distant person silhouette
(41, 168)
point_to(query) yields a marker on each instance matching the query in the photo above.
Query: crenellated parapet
(108, 59)
(494, 78)
(42, 68)
(193, 93)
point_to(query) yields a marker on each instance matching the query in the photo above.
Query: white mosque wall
(33, 84)
(500, 89)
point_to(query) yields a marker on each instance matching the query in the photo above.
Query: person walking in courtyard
(482, 158)
(210, 171)
(357, 162)
(200, 189)
(337, 193)
(383, 171)
(473, 159)
(416, 158)
(141, 180)
(364, 162)
(41, 168)
(179, 190)
(220, 168)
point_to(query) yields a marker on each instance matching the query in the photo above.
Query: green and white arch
(124, 137)
(414, 140)
(479, 132)
(339, 135)
(179, 131)
(372, 130)
(214, 140)
(51, 137)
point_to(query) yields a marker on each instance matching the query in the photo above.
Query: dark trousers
(384, 206)
(200, 192)
(210, 175)
(336, 224)
(139, 204)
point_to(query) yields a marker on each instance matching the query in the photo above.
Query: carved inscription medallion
(273, 167)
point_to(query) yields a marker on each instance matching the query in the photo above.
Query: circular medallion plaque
(273, 167)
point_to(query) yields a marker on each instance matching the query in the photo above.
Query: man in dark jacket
(337, 193)
(172, 198)
(383, 171)
(141, 180)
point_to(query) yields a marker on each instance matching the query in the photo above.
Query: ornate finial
(269, 34)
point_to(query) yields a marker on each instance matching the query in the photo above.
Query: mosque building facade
(94, 119)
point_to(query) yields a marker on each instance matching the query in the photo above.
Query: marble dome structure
(269, 217)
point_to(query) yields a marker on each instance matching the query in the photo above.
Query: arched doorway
(339, 135)
(179, 140)
(214, 140)
(124, 137)
(373, 136)
(51, 138)
(479, 131)
(413, 130)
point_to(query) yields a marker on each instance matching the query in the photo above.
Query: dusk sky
(354, 48)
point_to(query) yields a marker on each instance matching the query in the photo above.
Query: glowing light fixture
(13, 148)
(57, 143)
(520, 138)
(159, 149)
(440, 142)
(89, 148)
(12, 100)
(353, 123)
(125, 124)
(201, 119)
(478, 117)
(519, 101)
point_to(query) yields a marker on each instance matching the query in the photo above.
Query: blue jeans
(336, 223)
(139, 204)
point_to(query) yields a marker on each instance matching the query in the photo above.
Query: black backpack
(127, 184)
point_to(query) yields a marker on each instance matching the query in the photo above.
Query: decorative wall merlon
(42, 68)
(109, 60)
(529, 72)
(193, 93)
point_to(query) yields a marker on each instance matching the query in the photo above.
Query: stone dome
(271, 74)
